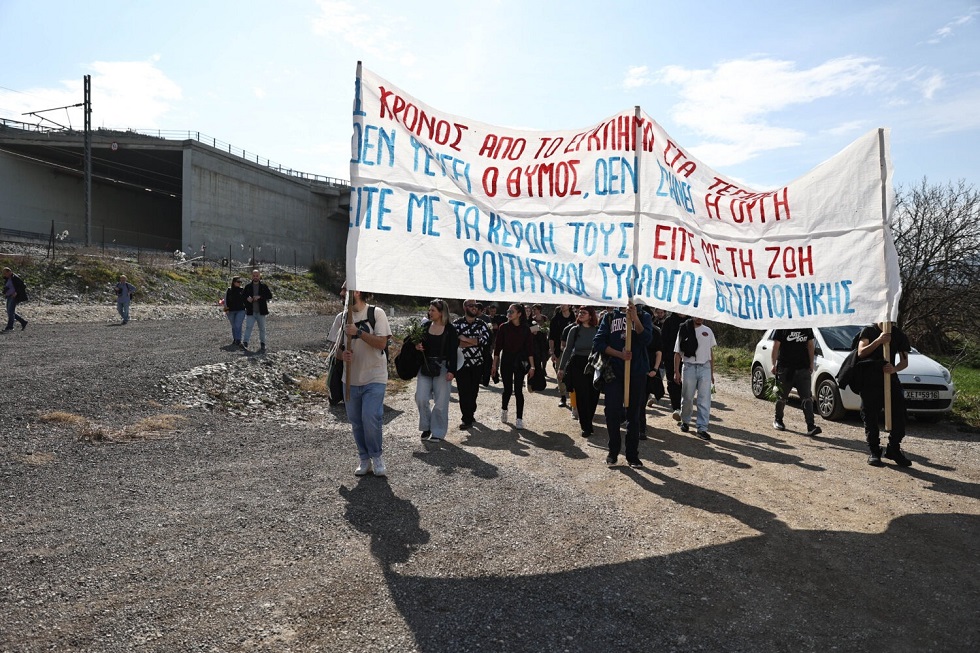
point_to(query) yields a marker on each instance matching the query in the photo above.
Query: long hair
(440, 305)
(593, 318)
(521, 312)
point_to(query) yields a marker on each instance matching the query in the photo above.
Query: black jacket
(263, 301)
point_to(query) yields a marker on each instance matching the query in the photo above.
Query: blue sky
(762, 93)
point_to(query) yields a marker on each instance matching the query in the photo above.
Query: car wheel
(759, 382)
(829, 404)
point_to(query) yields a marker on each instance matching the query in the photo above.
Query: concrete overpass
(168, 191)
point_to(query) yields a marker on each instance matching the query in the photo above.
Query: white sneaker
(379, 466)
(503, 415)
(363, 468)
(520, 423)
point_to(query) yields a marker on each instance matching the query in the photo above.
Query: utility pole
(88, 160)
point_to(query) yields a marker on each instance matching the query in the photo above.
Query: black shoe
(262, 347)
(465, 425)
(611, 459)
(426, 435)
(704, 436)
(814, 431)
(563, 403)
(23, 325)
(9, 329)
(586, 434)
(685, 428)
(778, 425)
(244, 346)
(643, 436)
(634, 463)
(894, 452)
(875, 458)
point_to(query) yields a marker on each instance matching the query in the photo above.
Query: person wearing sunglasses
(474, 335)
(235, 309)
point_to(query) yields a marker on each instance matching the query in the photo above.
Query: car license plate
(921, 395)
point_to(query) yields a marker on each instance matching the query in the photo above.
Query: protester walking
(562, 318)
(571, 367)
(694, 349)
(668, 334)
(793, 352)
(474, 335)
(513, 358)
(366, 370)
(434, 382)
(871, 342)
(611, 341)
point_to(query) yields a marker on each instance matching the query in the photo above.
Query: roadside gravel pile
(239, 525)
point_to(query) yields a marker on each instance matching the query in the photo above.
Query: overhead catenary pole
(88, 160)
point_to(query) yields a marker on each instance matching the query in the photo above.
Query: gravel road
(161, 492)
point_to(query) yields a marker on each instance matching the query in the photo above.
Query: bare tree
(937, 235)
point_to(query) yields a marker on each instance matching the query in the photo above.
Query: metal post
(88, 161)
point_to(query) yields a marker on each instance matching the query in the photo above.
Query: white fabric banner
(444, 206)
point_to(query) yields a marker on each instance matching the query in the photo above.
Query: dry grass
(316, 385)
(61, 417)
(157, 423)
(37, 459)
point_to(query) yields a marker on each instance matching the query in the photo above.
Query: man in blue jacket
(611, 341)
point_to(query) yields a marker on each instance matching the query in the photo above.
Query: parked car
(928, 386)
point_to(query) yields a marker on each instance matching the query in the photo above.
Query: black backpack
(689, 339)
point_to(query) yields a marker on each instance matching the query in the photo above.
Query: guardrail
(178, 135)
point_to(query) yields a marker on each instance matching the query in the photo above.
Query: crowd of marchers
(628, 357)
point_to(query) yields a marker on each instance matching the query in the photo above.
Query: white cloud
(949, 28)
(637, 76)
(259, 92)
(125, 94)
(372, 34)
(729, 105)
(849, 127)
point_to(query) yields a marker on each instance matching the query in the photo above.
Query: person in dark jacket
(257, 296)
(871, 342)
(15, 292)
(235, 309)
(440, 342)
(513, 356)
(610, 340)
(668, 336)
(563, 317)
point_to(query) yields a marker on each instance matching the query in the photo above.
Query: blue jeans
(433, 418)
(250, 321)
(123, 308)
(236, 318)
(12, 313)
(365, 411)
(696, 378)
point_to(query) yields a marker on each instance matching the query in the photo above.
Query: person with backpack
(15, 292)
(870, 351)
(572, 366)
(610, 340)
(439, 345)
(793, 352)
(694, 349)
(366, 370)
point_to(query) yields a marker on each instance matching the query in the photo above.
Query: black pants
(586, 396)
(673, 389)
(468, 388)
(613, 398)
(873, 402)
(512, 374)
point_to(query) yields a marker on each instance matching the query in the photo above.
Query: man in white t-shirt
(694, 347)
(366, 365)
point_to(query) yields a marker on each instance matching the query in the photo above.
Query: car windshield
(839, 338)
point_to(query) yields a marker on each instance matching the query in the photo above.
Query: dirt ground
(232, 533)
